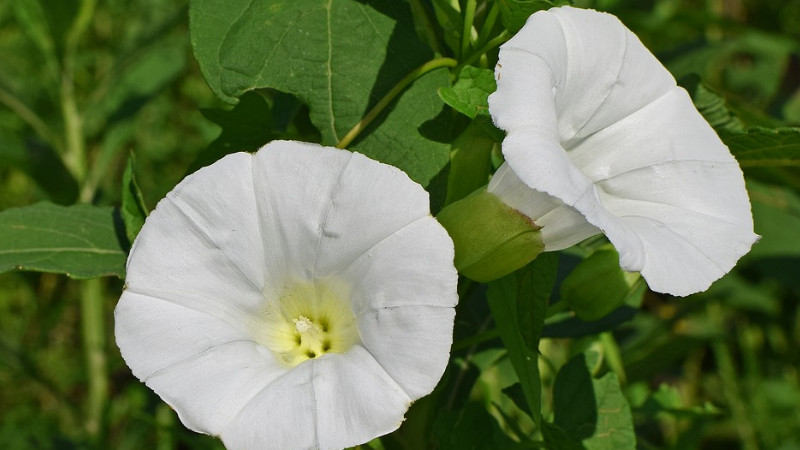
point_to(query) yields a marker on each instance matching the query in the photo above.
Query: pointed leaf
(470, 94)
(134, 210)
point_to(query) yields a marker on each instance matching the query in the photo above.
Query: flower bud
(491, 238)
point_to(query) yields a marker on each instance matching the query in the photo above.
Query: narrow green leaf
(81, 241)
(516, 12)
(134, 210)
(592, 410)
(597, 286)
(764, 146)
(32, 18)
(668, 400)
(338, 57)
(470, 94)
(519, 303)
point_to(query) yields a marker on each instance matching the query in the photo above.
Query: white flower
(299, 297)
(600, 139)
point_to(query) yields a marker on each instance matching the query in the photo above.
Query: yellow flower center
(307, 321)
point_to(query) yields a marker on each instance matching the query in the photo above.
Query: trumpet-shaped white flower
(299, 297)
(600, 139)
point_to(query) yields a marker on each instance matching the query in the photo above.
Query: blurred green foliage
(718, 370)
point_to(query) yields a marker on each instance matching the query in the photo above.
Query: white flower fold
(600, 139)
(298, 297)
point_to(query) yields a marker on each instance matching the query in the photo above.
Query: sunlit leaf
(82, 241)
(470, 94)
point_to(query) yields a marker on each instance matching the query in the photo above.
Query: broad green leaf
(597, 286)
(134, 210)
(470, 94)
(245, 128)
(519, 304)
(764, 146)
(470, 428)
(516, 12)
(592, 410)
(81, 241)
(340, 58)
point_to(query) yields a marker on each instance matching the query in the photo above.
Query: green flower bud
(491, 238)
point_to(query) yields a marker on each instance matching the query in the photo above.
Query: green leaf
(519, 304)
(81, 241)
(470, 428)
(516, 12)
(711, 105)
(597, 286)
(32, 18)
(340, 58)
(134, 210)
(470, 94)
(592, 410)
(245, 128)
(668, 400)
(764, 146)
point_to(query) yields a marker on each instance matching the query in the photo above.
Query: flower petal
(204, 258)
(347, 204)
(412, 266)
(209, 390)
(412, 343)
(356, 399)
(143, 324)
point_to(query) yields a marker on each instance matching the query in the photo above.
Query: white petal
(154, 334)
(357, 399)
(280, 415)
(209, 390)
(182, 257)
(412, 343)
(413, 266)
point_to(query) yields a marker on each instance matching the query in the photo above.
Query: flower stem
(394, 92)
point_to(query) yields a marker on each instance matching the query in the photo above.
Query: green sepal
(491, 238)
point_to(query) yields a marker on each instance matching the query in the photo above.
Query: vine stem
(394, 92)
(496, 42)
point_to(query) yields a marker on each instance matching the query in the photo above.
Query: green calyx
(491, 238)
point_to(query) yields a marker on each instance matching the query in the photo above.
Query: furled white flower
(299, 297)
(600, 139)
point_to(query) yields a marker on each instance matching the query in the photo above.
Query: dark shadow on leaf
(575, 407)
(119, 230)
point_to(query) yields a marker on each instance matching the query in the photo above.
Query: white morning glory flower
(299, 297)
(600, 139)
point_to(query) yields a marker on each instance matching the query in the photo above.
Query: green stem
(419, 11)
(613, 356)
(488, 24)
(466, 32)
(93, 327)
(496, 42)
(394, 92)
